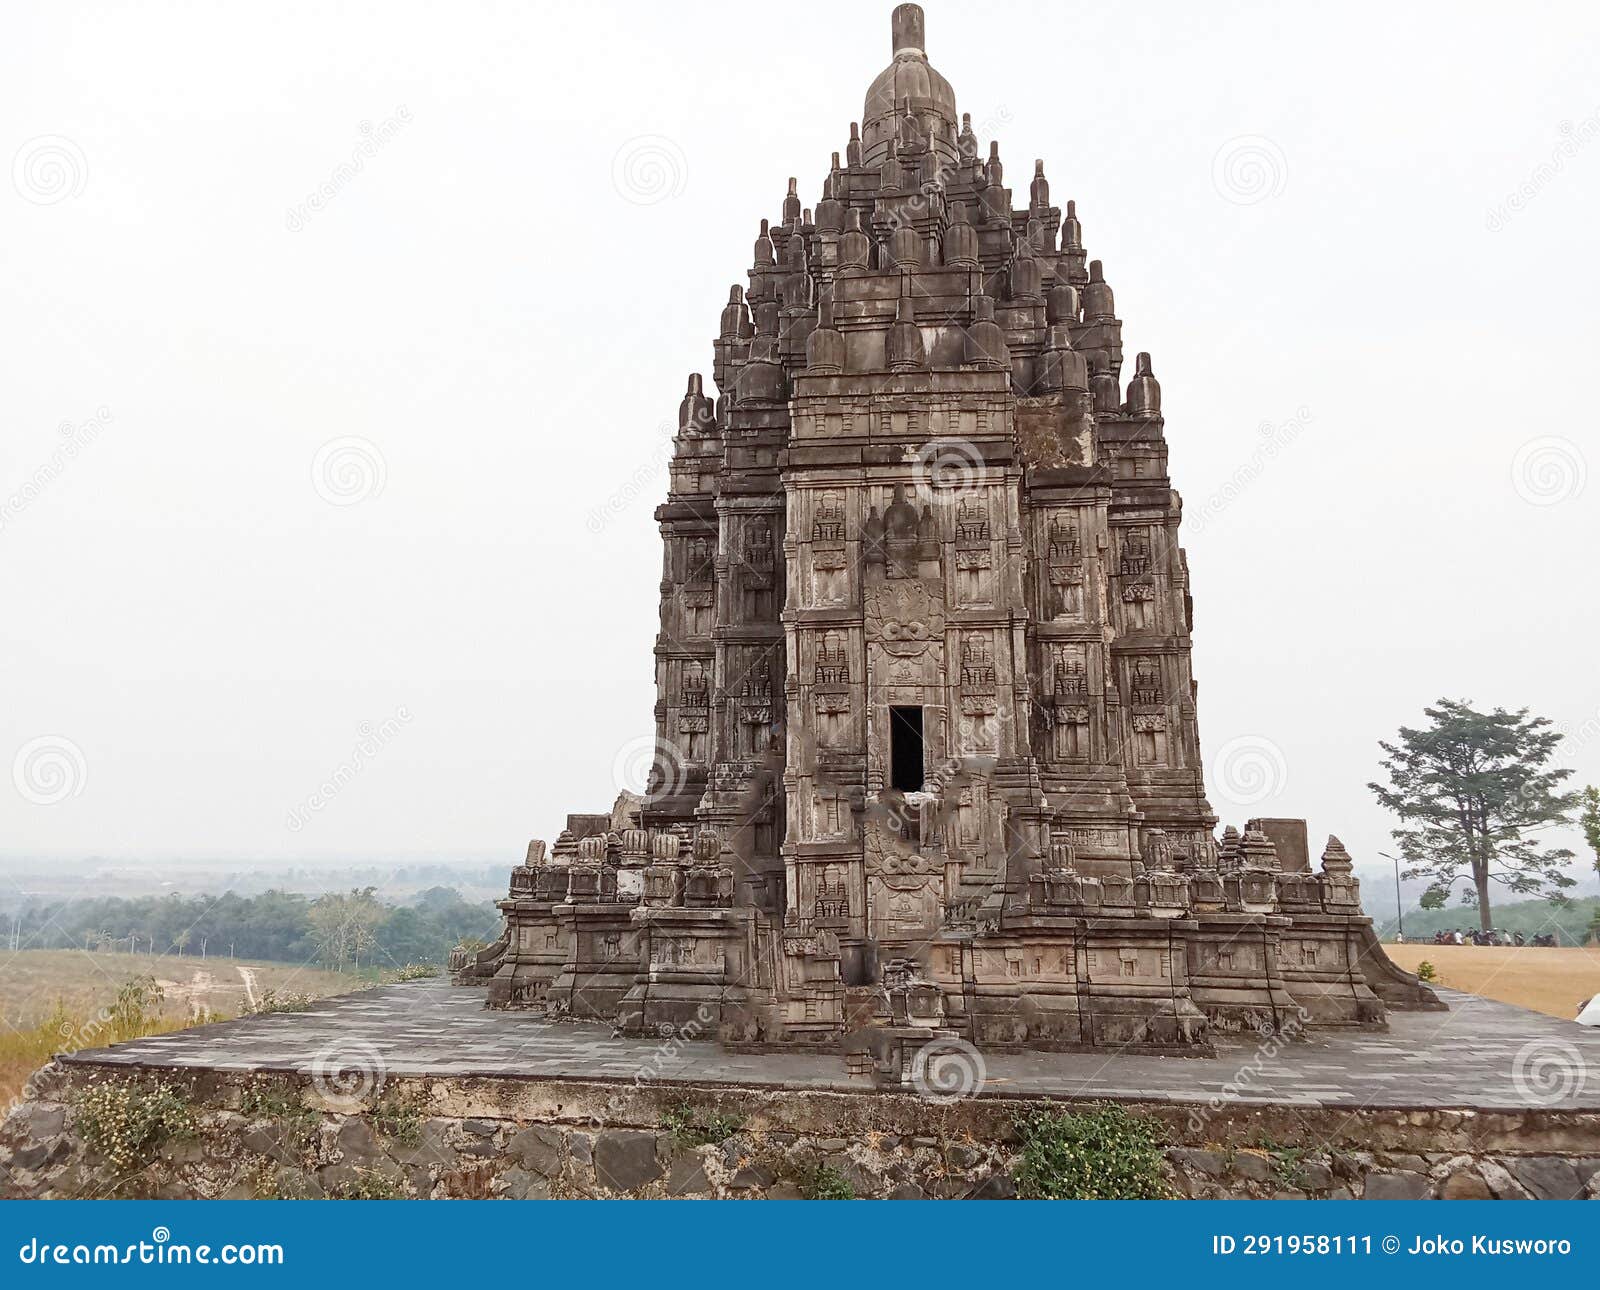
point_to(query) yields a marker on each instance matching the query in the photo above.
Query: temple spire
(909, 27)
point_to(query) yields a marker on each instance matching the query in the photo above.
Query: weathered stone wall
(274, 1135)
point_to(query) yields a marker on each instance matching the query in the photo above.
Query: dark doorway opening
(905, 749)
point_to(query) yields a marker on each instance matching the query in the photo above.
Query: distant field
(1553, 981)
(31, 982)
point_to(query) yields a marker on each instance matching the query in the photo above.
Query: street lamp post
(1399, 915)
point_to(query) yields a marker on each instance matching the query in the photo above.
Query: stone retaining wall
(270, 1134)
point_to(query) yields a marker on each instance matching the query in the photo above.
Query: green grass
(699, 1126)
(1103, 1153)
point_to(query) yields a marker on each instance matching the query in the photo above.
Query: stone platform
(1480, 1055)
(417, 1090)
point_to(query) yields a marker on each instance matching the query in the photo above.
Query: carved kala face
(904, 617)
(898, 631)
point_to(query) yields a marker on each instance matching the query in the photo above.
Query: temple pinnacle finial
(909, 28)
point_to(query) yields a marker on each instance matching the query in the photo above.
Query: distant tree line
(343, 930)
(1571, 924)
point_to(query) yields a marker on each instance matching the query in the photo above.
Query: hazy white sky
(388, 454)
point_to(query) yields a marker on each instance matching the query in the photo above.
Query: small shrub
(417, 972)
(271, 1001)
(1104, 1153)
(824, 1182)
(274, 1182)
(137, 1007)
(125, 1121)
(399, 1119)
(278, 1103)
(699, 1127)
(1288, 1163)
(368, 1184)
(1426, 971)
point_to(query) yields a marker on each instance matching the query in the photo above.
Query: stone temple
(928, 760)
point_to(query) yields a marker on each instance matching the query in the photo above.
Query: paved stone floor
(1480, 1054)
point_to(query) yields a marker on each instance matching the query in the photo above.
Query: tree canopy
(1473, 790)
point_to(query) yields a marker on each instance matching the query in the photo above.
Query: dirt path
(249, 975)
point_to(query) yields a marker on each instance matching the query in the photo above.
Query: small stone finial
(1099, 305)
(1228, 850)
(1039, 190)
(967, 141)
(791, 204)
(1062, 303)
(960, 240)
(765, 252)
(1144, 391)
(986, 347)
(905, 248)
(1062, 368)
(1071, 229)
(735, 315)
(1026, 276)
(696, 414)
(855, 247)
(1256, 851)
(852, 151)
(906, 350)
(908, 30)
(707, 845)
(1335, 859)
(536, 852)
(825, 352)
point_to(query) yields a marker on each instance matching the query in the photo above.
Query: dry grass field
(1552, 981)
(60, 1000)
(32, 982)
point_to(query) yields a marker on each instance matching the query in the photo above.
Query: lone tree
(1469, 790)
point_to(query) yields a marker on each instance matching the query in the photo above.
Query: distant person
(1458, 939)
(1519, 939)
